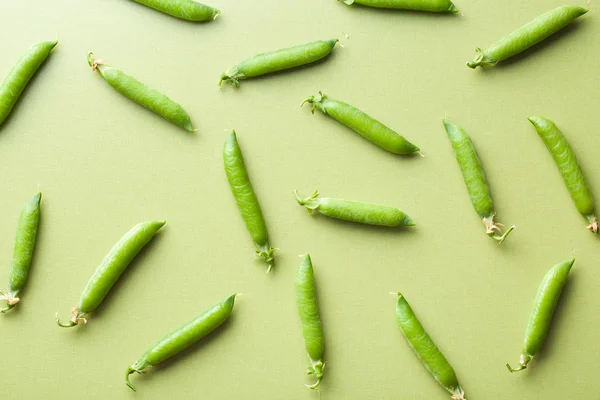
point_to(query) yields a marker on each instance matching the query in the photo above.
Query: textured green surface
(105, 164)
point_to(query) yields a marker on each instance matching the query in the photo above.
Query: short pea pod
(528, 35)
(141, 94)
(421, 343)
(27, 229)
(418, 5)
(278, 60)
(361, 123)
(110, 269)
(569, 168)
(20, 75)
(183, 337)
(247, 202)
(474, 178)
(188, 10)
(355, 211)
(312, 328)
(543, 309)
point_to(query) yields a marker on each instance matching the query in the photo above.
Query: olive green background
(105, 164)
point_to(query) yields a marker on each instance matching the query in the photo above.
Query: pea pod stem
(10, 301)
(523, 361)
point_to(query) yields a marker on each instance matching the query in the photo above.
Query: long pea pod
(20, 75)
(569, 168)
(188, 10)
(426, 350)
(278, 60)
(141, 94)
(474, 178)
(245, 197)
(110, 269)
(417, 5)
(528, 35)
(544, 305)
(355, 211)
(182, 338)
(27, 230)
(310, 318)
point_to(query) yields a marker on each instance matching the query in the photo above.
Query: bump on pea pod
(141, 94)
(355, 211)
(474, 178)
(426, 350)
(361, 123)
(569, 168)
(278, 60)
(544, 305)
(528, 35)
(182, 338)
(110, 269)
(442, 6)
(27, 230)
(188, 10)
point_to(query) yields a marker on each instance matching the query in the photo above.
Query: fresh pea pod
(20, 75)
(243, 192)
(27, 229)
(421, 343)
(182, 338)
(543, 309)
(354, 211)
(278, 60)
(188, 10)
(474, 178)
(528, 35)
(418, 5)
(141, 94)
(110, 269)
(312, 328)
(361, 123)
(569, 168)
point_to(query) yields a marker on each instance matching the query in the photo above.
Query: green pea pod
(141, 94)
(278, 60)
(27, 229)
(188, 10)
(543, 309)
(528, 35)
(243, 192)
(110, 269)
(569, 168)
(355, 211)
(312, 328)
(361, 123)
(421, 343)
(418, 5)
(474, 178)
(20, 75)
(182, 338)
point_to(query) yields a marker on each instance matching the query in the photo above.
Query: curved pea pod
(27, 230)
(245, 197)
(110, 269)
(355, 211)
(528, 35)
(418, 5)
(474, 178)
(428, 353)
(20, 75)
(182, 338)
(141, 94)
(569, 168)
(543, 309)
(312, 328)
(278, 60)
(361, 123)
(188, 10)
